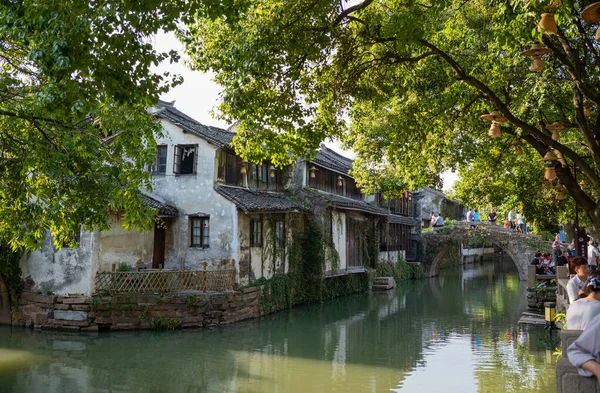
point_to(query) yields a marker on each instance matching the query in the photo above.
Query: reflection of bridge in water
(446, 242)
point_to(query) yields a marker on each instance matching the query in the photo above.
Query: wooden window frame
(177, 159)
(203, 239)
(279, 241)
(256, 237)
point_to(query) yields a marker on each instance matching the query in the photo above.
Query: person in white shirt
(592, 253)
(511, 219)
(581, 313)
(521, 223)
(584, 353)
(577, 282)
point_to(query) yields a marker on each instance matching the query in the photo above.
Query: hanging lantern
(313, 172)
(549, 156)
(550, 173)
(556, 126)
(591, 14)
(560, 195)
(586, 112)
(340, 181)
(272, 171)
(494, 116)
(547, 23)
(243, 168)
(495, 130)
(518, 151)
(535, 52)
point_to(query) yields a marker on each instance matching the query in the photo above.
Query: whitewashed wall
(61, 271)
(194, 194)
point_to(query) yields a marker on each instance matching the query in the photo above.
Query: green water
(457, 333)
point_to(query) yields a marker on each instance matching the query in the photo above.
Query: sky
(198, 96)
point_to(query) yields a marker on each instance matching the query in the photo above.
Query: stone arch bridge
(443, 243)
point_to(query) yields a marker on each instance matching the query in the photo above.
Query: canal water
(456, 333)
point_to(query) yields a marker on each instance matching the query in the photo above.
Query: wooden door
(353, 255)
(158, 255)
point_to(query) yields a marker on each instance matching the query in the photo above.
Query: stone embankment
(188, 309)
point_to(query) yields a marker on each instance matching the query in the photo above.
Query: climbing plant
(10, 271)
(307, 252)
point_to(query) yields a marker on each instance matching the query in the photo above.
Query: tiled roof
(331, 160)
(164, 210)
(260, 201)
(343, 202)
(214, 135)
(398, 219)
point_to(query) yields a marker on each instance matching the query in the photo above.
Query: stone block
(41, 319)
(250, 290)
(103, 320)
(30, 297)
(62, 322)
(124, 321)
(76, 300)
(80, 307)
(59, 306)
(89, 329)
(569, 381)
(32, 309)
(217, 300)
(567, 338)
(70, 315)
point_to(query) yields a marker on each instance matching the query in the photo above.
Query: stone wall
(188, 309)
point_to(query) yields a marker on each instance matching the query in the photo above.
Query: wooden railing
(164, 281)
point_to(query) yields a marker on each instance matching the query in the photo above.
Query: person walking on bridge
(492, 217)
(511, 219)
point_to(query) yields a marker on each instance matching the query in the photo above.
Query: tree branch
(351, 10)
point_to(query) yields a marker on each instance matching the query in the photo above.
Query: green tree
(75, 131)
(413, 77)
(502, 181)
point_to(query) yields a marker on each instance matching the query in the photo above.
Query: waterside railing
(164, 281)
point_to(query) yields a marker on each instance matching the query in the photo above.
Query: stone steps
(384, 284)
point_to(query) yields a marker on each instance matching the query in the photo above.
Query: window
(255, 233)
(280, 234)
(160, 161)
(185, 159)
(200, 232)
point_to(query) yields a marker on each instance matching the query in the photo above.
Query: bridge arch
(444, 242)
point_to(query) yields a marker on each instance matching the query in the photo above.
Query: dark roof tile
(164, 210)
(260, 201)
(216, 136)
(331, 160)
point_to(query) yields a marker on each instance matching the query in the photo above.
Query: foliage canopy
(75, 132)
(404, 83)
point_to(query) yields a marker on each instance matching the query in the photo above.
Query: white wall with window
(207, 223)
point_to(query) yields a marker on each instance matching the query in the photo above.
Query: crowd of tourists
(583, 289)
(512, 221)
(436, 220)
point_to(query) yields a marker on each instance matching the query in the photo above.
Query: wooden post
(205, 277)
(114, 267)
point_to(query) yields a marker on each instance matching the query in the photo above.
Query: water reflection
(457, 333)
